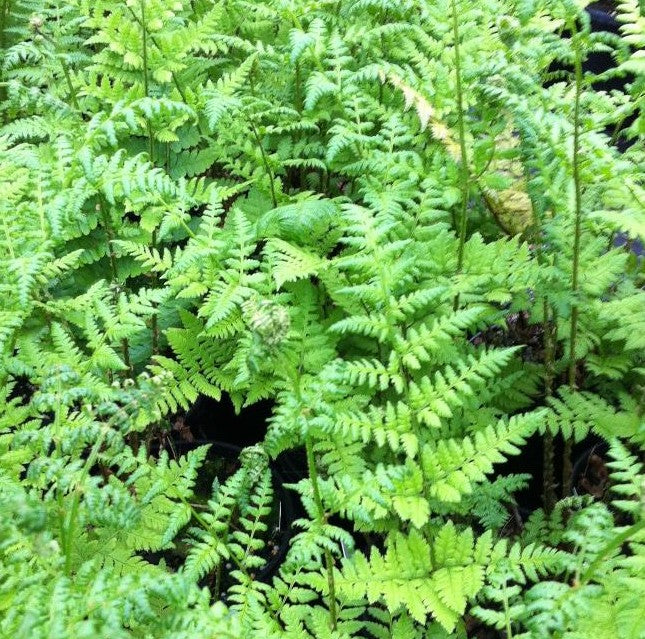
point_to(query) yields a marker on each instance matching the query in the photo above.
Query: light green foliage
(395, 220)
(70, 556)
(248, 492)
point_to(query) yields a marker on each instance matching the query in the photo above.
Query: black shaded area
(600, 62)
(213, 420)
(217, 421)
(602, 21)
(602, 17)
(530, 461)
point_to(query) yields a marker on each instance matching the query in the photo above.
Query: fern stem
(125, 346)
(218, 581)
(68, 78)
(59, 497)
(381, 86)
(299, 105)
(589, 573)
(5, 10)
(465, 176)
(70, 86)
(146, 87)
(154, 325)
(178, 86)
(397, 336)
(265, 161)
(616, 542)
(548, 480)
(236, 560)
(549, 331)
(8, 238)
(258, 141)
(314, 56)
(154, 322)
(577, 184)
(548, 453)
(175, 80)
(298, 88)
(507, 615)
(578, 221)
(144, 36)
(329, 564)
(70, 520)
(110, 236)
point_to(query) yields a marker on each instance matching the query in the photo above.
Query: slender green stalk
(154, 324)
(258, 141)
(241, 567)
(175, 80)
(577, 184)
(616, 542)
(265, 161)
(146, 87)
(70, 86)
(5, 10)
(316, 59)
(68, 78)
(125, 346)
(57, 430)
(601, 557)
(313, 477)
(68, 526)
(8, 238)
(549, 332)
(299, 104)
(548, 452)
(71, 518)
(329, 564)
(507, 615)
(464, 170)
(381, 86)
(578, 220)
(144, 36)
(396, 336)
(110, 237)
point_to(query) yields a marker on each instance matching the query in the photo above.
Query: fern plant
(396, 221)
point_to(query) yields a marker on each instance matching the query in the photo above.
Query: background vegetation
(409, 225)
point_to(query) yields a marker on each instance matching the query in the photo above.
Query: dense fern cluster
(348, 208)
